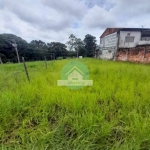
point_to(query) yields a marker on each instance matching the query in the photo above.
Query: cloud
(92, 3)
(39, 16)
(75, 9)
(52, 20)
(127, 10)
(98, 17)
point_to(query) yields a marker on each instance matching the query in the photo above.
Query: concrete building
(125, 44)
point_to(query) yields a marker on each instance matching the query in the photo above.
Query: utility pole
(15, 46)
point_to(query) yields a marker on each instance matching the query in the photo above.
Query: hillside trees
(37, 49)
(7, 50)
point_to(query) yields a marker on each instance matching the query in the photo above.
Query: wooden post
(15, 46)
(26, 69)
(1, 60)
(17, 55)
(45, 62)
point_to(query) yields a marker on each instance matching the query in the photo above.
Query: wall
(108, 46)
(107, 54)
(102, 42)
(123, 34)
(109, 40)
(138, 54)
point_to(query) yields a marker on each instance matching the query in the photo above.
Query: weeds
(113, 114)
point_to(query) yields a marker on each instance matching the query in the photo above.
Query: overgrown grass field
(113, 114)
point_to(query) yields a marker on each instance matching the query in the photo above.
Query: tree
(90, 45)
(1, 55)
(82, 51)
(72, 54)
(72, 42)
(80, 47)
(75, 44)
(57, 48)
(37, 50)
(6, 48)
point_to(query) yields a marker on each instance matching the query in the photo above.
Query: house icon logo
(75, 75)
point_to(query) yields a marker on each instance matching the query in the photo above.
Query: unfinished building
(125, 44)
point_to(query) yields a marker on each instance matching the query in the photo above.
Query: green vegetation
(37, 49)
(113, 114)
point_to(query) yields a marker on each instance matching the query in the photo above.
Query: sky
(55, 20)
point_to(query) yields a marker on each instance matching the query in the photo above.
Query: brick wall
(137, 54)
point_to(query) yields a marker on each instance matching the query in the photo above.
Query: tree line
(37, 49)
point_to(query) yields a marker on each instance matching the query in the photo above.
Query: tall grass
(113, 114)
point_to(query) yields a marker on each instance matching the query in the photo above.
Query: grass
(113, 114)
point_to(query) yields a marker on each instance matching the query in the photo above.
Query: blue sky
(53, 20)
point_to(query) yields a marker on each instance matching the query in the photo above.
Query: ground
(113, 114)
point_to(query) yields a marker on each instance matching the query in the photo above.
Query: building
(125, 44)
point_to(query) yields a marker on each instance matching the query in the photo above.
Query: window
(129, 39)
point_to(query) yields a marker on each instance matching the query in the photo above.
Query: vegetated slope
(7, 51)
(113, 114)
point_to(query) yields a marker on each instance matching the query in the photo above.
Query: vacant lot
(113, 114)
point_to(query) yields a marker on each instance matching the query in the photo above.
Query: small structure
(125, 44)
(80, 57)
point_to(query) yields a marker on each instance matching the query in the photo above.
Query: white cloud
(98, 17)
(130, 10)
(52, 20)
(74, 8)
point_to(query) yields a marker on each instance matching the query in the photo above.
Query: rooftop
(113, 30)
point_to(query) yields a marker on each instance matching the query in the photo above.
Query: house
(125, 44)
